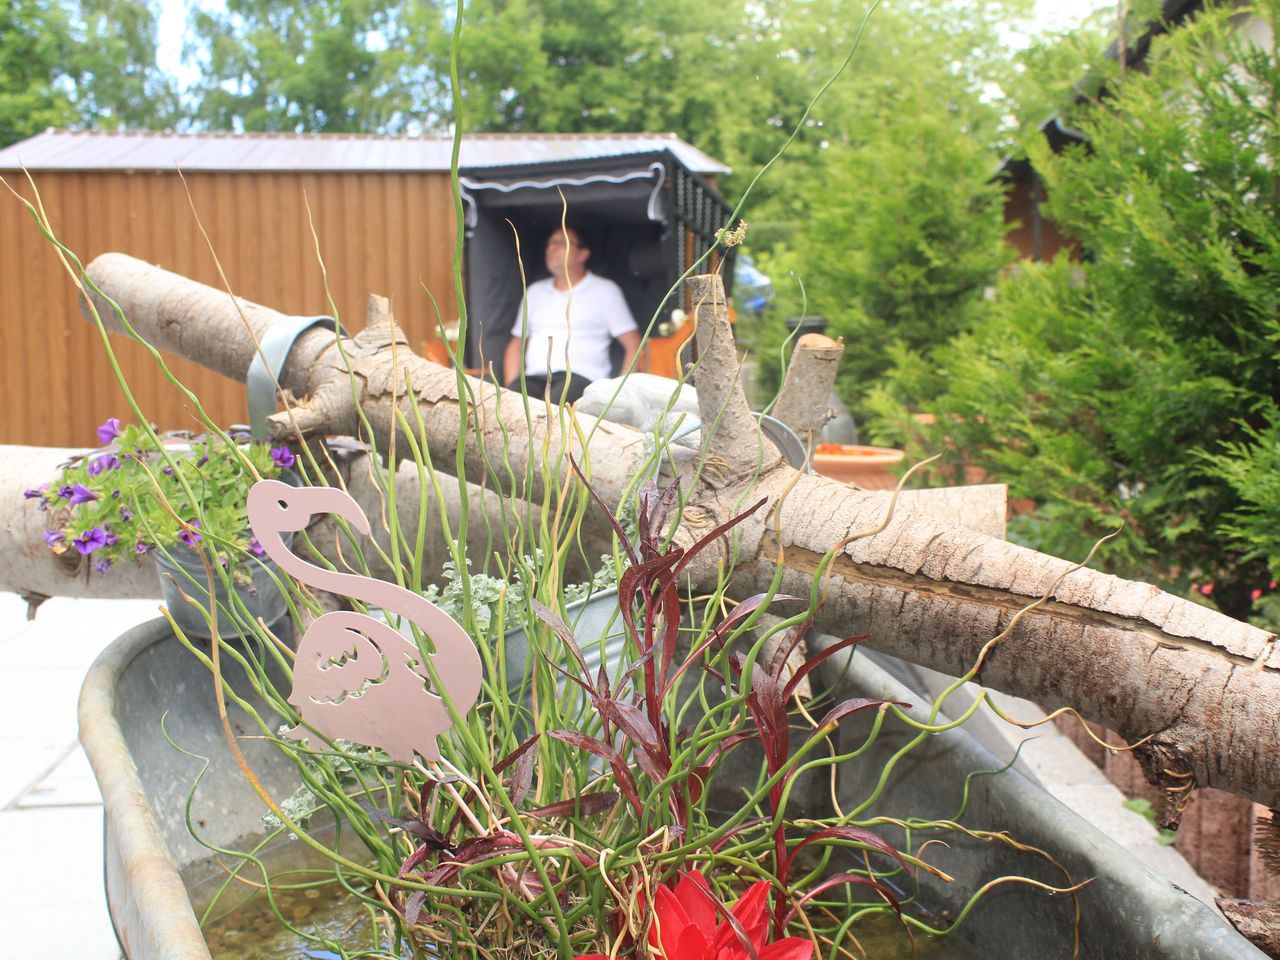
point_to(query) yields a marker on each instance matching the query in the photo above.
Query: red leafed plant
(653, 751)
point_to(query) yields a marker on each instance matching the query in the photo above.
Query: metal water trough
(153, 866)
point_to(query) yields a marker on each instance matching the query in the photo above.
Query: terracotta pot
(871, 468)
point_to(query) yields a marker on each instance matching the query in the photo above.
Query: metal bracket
(268, 362)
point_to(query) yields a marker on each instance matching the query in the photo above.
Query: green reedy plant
(532, 838)
(554, 840)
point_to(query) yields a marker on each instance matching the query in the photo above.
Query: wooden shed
(282, 214)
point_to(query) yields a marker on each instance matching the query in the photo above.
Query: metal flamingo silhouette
(357, 677)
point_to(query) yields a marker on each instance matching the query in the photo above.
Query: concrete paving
(52, 904)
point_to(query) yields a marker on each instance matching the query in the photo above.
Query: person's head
(566, 250)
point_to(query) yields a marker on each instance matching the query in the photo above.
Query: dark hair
(584, 238)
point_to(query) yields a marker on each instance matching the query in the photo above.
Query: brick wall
(1216, 834)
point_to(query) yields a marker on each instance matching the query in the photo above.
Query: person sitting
(573, 316)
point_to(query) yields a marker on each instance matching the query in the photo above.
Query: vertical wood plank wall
(385, 233)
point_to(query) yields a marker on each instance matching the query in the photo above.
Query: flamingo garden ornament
(354, 676)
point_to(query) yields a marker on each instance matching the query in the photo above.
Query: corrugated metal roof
(82, 150)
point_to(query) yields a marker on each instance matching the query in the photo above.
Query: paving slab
(70, 784)
(53, 905)
(52, 902)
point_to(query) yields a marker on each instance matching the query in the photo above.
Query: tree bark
(36, 573)
(1257, 920)
(806, 389)
(1203, 689)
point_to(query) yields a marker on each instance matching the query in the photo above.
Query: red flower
(688, 926)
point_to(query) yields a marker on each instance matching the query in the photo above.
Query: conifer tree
(1139, 386)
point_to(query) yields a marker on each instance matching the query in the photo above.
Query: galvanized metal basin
(153, 865)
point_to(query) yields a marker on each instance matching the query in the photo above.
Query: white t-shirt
(578, 324)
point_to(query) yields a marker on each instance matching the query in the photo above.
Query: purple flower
(101, 565)
(90, 541)
(112, 539)
(126, 514)
(109, 430)
(283, 457)
(256, 548)
(168, 471)
(35, 493)
(81, 494)
(202, 461)
(52, 536)
(107, 461)
(141, 549)
(190, 537)
(65, 493)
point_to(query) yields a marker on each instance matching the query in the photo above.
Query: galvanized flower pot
(185, 582)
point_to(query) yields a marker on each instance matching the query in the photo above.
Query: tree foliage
(902, 232)
(332, 66)
(891, 224)
(1138, 386)
(33, 42)
(90, 64)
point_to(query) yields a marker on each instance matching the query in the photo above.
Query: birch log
(803, 403)
(1204, 690)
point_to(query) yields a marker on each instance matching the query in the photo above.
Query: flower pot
(597, 626)
(155, 870)
(871, 468)
(595, 617)
(184, 582)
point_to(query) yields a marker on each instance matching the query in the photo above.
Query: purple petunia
(190, 537)
(81, 494)
(102, 566)
(256, 548)
(53, 536)
(141, 548)
(107, 461)
(35, 493)
(283, 457)
(126, 514)
(90, 541)
(109, 430)
(65, 493)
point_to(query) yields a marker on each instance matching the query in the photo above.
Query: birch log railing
(1198, 689)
